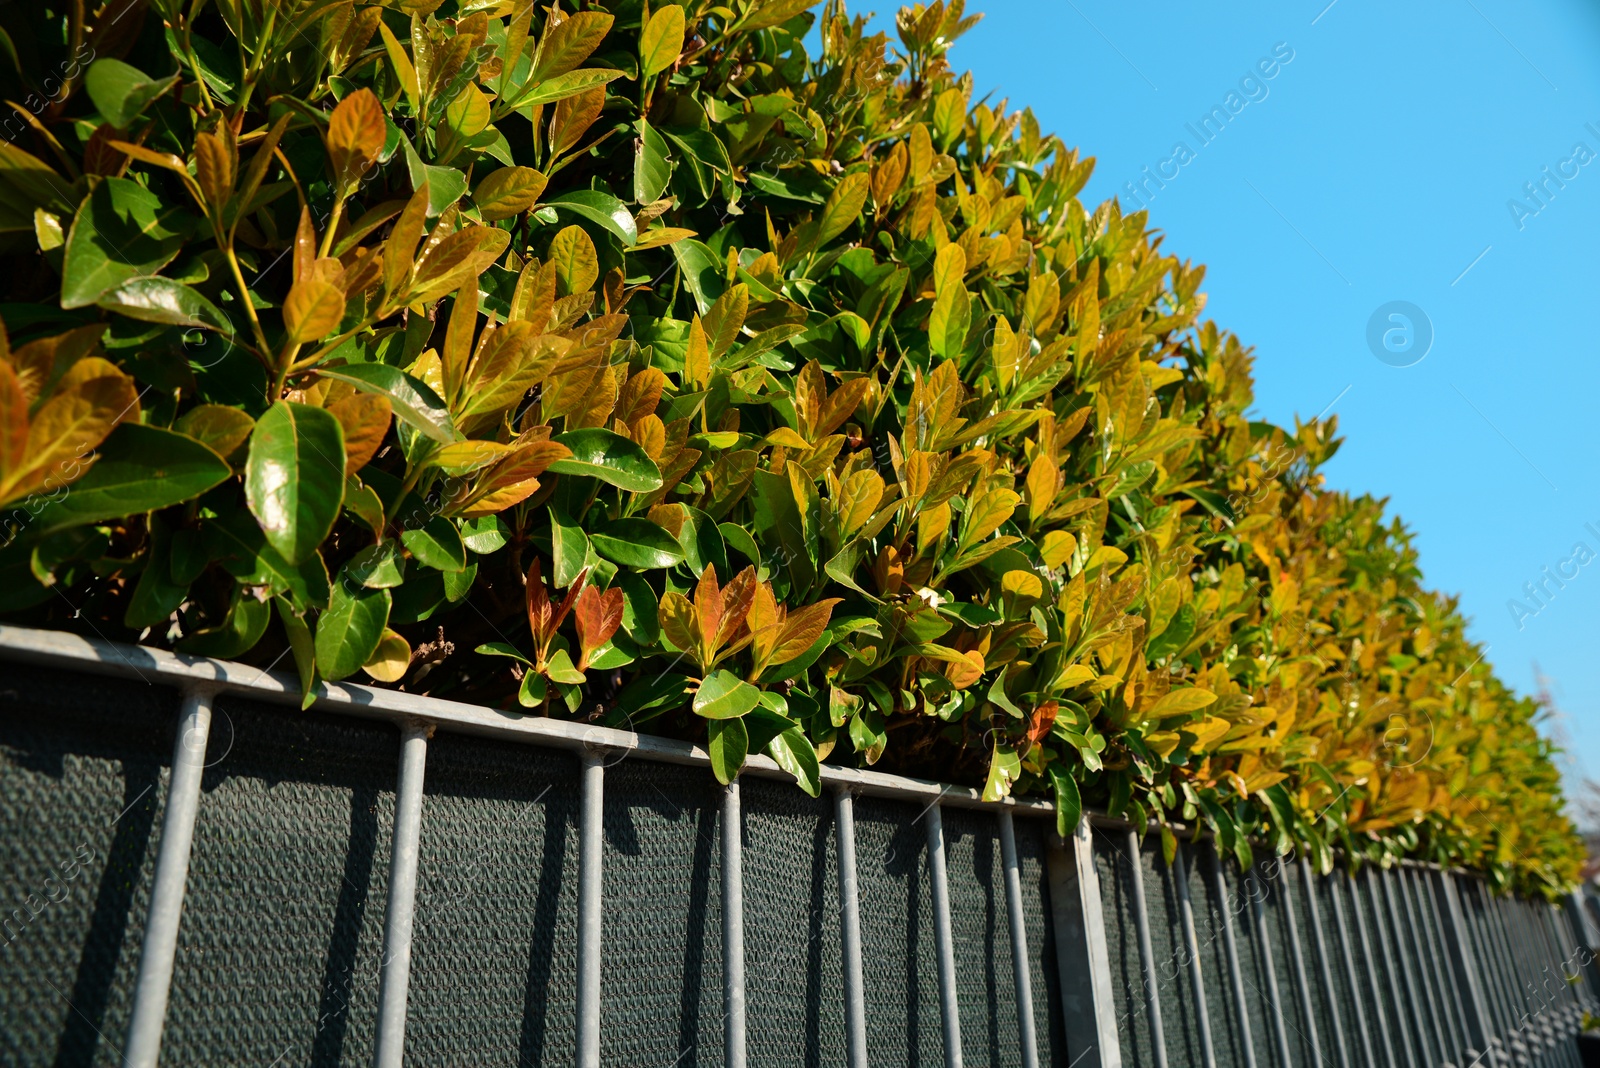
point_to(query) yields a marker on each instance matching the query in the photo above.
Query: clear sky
(1378, 165)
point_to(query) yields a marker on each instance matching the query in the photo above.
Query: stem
(263, 350)
(333, 224)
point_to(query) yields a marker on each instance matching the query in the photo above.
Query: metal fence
(598, 898)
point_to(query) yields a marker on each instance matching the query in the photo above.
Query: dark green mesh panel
(661, 958)
(794, 986)
(282, 934)
(82, 778)
(1211, 912)
(1409, 958)
(1456, 1033)
(1044, 972)
(494, 959)
(1122, 943)
(899, 956)
(1178, 1018)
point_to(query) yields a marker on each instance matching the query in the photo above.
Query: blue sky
(1379, 165)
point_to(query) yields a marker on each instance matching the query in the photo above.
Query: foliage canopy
(633, 364)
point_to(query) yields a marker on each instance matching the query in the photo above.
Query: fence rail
(1089, 951)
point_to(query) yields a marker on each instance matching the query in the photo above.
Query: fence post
(1191, 943)
(1088, 1008)
(949, 1010)
(591, 809)
(733, 927)
(395, 978)
(1019, 941)
(160, 948)
(855, 1008)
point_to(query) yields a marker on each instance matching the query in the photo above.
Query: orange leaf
(597, 615)
(1044, 717)
(356, 133)
(737, 597)
(708, 604)
(13, 421)
(365, 418)
(802, 628)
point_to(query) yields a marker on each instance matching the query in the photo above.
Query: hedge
(635, 365)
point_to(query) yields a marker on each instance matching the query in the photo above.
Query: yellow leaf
(678, 624)
(986, 514)
(1181, 702)
(577, 263)
(697, 360)
(1057, 547)
(508, 191)
(662, 40)
(802, 628)
(390, 659)
(404, 71)
(92, 399)
(311, 311)
(468, 114)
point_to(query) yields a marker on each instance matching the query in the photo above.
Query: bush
(631, 364)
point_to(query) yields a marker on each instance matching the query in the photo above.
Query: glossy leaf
(602, 454)
(294, 478)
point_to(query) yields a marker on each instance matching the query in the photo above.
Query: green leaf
(724, 695)
(1004, 768)
(234, 636)
(652, 165)
(795, 754)
(561, 86)
(641, 617)
(637, 543)
(141, 468)
(650, 693)
(413, 401)
(437, 545)
(237, 543)
(349, 631)
(702, 543)
(502, 649)
(446, 185)
(304, 648)
(486, 534)
(121, 92)
(728, 744)
(162, 300)
(122, 231)
(294, 479)
(610, 457)
(1069, 804)
(377, 567)
(702, 271)
(561, 669)
(569, 548)
(601, 208)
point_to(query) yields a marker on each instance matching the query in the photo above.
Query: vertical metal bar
(1370, 959)
(1019, 942)
(1191, 945)
(1258, 912)
(160, 947)
(1427, 962)
(1394, 965)
(1464, 966)
(1147, 954)
(855, 1003)
(1341, 924)
(1230, 950)
(1585, 936)
(949, 1011)
(1428, 883)
(1083, 963)
(1324, 964)
(398, 914)
(1297, 957)
(591, 813)
(733, 927)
